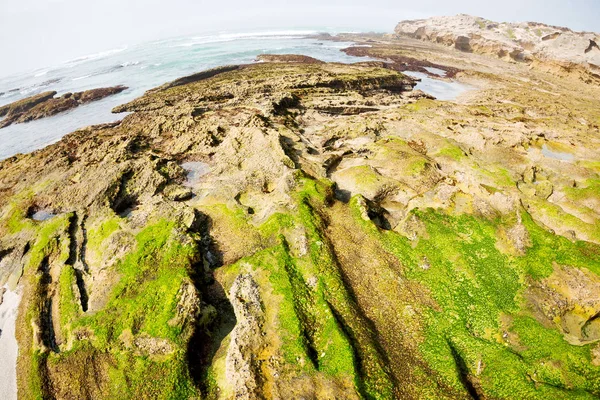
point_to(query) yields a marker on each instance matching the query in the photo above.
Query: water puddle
(195, 171)
(442, 90)
(557, 155)
(8, 343)
(436, 71)
(42, 215)
(128, 212)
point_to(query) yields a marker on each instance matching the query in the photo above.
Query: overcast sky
(40, 33)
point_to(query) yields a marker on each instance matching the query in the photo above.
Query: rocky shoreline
(301, 229)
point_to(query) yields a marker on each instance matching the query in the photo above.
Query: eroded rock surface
(315, 230)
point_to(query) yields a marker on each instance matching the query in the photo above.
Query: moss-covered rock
(247, 233)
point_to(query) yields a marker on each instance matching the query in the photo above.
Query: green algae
(556, 213)
(311, 299)
(143, 302)
(475, 284)
(145, 298)
(97, 235)
(589, 189)
(451, 151)
(68, 303)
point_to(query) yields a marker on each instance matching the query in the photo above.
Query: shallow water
(42, 215)
(195, 171)
(442, 90)
(557, 155)
(8, 344)
(436, 71)
(142, 67)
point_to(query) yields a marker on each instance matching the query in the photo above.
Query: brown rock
(45, 104)
(25, 105)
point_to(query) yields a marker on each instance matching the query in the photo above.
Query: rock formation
(288, 58)
(552, 48)
(45, 104)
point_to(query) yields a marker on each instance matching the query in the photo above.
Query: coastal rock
(553, 48)
(24, 105)
(288, 58)
(46, 105)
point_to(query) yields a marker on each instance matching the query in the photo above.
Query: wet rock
(45, 104)
(21, 106)
(273, 286)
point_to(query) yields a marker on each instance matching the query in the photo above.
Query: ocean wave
(81, 77)
(208, 40)
(229, 37)
(41, 73)
(96, 56)
(130, 63)
(267, 34)
(28, 90)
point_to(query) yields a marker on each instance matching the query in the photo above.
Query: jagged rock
(555, 47)
(188, 307)
(242, 366)
(147, 345)
(567, 299)
(529, 175)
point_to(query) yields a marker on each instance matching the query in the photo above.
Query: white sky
(40, 33)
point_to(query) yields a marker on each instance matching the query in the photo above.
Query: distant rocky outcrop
(551, 48)
(46, 104)
(24, 105)
(288, 58)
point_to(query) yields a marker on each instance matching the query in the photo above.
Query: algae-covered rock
(314, 230)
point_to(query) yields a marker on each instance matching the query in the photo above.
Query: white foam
(96, 56)
(81, 77)
(130, 63)
(287, 33)
(228, 37)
